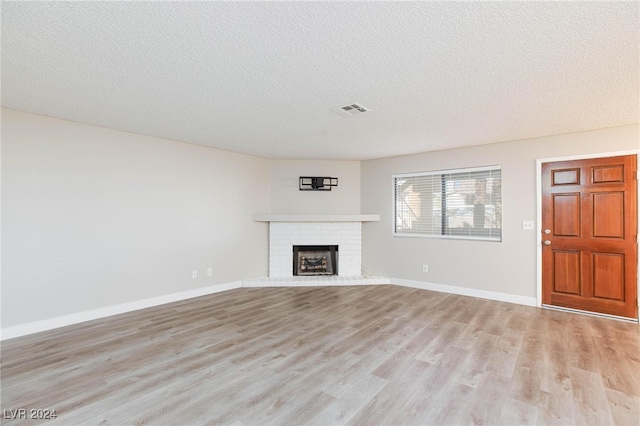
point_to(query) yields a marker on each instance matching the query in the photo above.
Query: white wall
(94, 217)
(507, 267)
(286, 198)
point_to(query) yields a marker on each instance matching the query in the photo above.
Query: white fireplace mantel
(316, 218)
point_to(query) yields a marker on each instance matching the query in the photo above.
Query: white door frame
(539, 162)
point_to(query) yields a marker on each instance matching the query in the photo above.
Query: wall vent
(353, 109)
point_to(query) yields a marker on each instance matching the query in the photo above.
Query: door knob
(547, 231)
(547, 243)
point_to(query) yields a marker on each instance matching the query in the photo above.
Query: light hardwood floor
(330, 355)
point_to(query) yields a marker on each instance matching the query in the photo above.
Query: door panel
(566, 266)
(566, 211)
(608, 215)
(589, 220)
(608, 276)
(565, 177)
(608, 174)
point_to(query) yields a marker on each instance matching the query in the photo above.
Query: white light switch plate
(528, 225)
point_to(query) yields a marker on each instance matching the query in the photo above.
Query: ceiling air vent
(354, 109)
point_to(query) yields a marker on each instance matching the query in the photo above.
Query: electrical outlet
(209, 272)
(194, 274)
(425, 268)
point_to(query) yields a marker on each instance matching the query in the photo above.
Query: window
(464, 203)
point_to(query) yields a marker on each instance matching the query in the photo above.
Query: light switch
(528, 225)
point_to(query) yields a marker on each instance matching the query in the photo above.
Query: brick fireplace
(284, 235)
(344, 232)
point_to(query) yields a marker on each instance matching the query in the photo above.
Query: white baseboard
(49, 324)
(463, 291)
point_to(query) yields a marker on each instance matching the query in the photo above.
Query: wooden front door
(589, 231)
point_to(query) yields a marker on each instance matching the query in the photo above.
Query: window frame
(488, 238)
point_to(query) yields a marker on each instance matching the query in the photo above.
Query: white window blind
(464, 203)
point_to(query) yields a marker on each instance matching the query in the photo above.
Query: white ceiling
(266, 78)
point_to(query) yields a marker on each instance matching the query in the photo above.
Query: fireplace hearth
(315, 260)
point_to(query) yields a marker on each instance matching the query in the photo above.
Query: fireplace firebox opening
(315, 260)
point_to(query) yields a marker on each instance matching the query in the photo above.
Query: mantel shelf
(316, 218)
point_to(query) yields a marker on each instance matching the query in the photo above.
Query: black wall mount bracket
(315, 183)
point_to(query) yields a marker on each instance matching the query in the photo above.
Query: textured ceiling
(268, 79)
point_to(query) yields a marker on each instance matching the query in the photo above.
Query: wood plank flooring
(329, 355)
